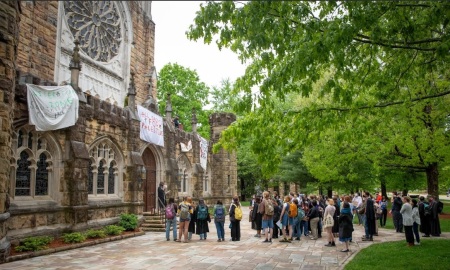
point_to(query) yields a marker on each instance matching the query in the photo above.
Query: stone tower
(224, 164)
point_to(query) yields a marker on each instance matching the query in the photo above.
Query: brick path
(152, 251)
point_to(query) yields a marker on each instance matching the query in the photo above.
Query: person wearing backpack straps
(297, 230)
(219, 220)
(185, 211)
(203, 219)
(284, 219)
(171, 219)
(267, 210)
(235, 219)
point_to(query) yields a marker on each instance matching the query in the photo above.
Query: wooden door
(150, 181)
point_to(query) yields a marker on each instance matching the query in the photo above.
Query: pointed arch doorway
(149, 184)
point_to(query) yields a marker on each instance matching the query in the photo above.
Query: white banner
(186, 148)
(151, 126)
(203, 152)
(52, 107)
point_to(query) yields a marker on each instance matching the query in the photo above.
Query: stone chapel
(86, 175)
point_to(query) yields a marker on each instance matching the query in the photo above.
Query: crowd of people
(295, 216)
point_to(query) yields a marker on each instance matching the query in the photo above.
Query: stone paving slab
(152, 251)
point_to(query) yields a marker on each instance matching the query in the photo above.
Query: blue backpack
(202, 213)
(219, 215)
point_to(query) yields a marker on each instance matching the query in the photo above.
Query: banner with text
(203, 152)
(52, 107)
(151, 126)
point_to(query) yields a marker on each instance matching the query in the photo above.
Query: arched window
(184, 173)
(32, 165)
(104, 166)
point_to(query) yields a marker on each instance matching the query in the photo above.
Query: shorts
(267, 224)
(285, 220)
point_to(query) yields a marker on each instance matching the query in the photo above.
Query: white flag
(52, 107)
(151, 126)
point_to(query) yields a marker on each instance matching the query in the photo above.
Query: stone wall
(9, 22)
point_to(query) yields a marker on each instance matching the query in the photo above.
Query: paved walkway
(152, 251)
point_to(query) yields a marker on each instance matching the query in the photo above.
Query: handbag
(328, 221)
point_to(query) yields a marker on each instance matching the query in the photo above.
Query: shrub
(34, 243)
(128, 221)
(113, 230)
(96, 234)
(75, 237)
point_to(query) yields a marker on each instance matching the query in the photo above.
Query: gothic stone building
(86, 175)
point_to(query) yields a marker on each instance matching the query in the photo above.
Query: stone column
(9, 36)
(75, 67)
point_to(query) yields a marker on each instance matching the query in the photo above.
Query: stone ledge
(73, 246)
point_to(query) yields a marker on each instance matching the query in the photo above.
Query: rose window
(96, 24)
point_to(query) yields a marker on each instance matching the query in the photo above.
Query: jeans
(171, 223)
(416, 232)
(304, 227)
(297, 229)
(203, 235)
(220, 229)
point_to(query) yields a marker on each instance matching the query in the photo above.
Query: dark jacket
(314, 212)
(345, 225)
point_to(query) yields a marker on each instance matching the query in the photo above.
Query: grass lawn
(431, 254)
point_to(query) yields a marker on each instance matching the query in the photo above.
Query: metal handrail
(161, 213)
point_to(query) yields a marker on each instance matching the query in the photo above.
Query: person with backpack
(185, 211)
(202, 220)
(235, 218)
(305, 220)
(383, 206)
(424, 214)
(436, 209)
(267, 211)
(276, 231)
(345, 221)
(256, 217)
(191, 227)
(285, 218)
(297, 221)
(171, 219)
(219, 220)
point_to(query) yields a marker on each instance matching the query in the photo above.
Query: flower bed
(58, 245)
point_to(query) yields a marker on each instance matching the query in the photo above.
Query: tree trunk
(383, 188)
(433, 179)
(330, 192)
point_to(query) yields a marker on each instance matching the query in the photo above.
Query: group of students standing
(297, 215)
(196, 218)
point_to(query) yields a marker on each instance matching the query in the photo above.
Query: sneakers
(220, 240)
(298, 238)
(417, 243)
(258, 235)
(285, 240)
(268, 241)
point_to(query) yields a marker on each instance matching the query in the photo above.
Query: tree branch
(394, 46)
(381, 105)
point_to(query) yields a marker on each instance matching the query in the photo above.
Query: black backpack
(440, 207)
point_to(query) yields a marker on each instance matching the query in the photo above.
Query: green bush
(128, 221)
(113, 230)
(96, 234)
(75, 237)
(34, 243)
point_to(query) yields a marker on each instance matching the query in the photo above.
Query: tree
(221, 97)
(380, 54)
(187, 93)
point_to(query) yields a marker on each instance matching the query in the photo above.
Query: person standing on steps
(161, 196)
